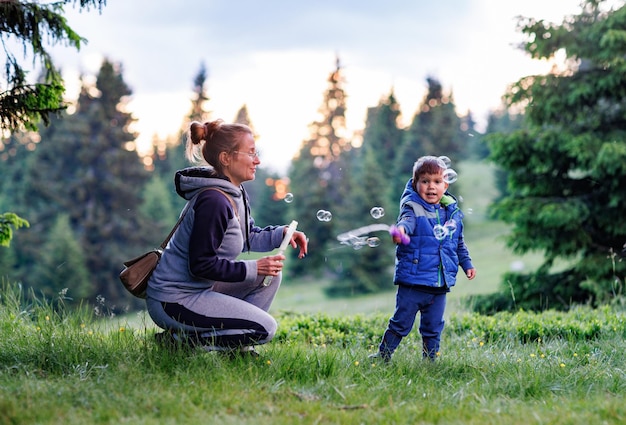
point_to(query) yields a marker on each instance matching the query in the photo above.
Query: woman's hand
(270, 265)
(299, 239)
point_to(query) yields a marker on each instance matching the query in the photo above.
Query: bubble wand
(283, 246)
(395, 232)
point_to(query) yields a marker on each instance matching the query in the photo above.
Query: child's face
(431, 187)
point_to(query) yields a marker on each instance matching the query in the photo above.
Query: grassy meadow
(69, 367)
(62, 365)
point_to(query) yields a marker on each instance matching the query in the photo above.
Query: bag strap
(182, 215)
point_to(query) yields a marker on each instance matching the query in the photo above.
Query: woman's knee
(270, 327)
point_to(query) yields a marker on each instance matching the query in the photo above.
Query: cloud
(275, 56)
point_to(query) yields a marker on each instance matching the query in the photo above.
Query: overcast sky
(275, 56)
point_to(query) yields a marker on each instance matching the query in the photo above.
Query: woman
(200, 293)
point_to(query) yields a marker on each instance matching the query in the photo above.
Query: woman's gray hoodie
(205, 247)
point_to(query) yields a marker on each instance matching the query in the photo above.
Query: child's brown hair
(427, 165)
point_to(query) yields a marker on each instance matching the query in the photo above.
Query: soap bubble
(446, 161)
(358, 245)
(440, 232)
(359, 238)
(288, 198)
(450, 226)
(373, 242)
(323, 215)
(450, 176)
(377, 212)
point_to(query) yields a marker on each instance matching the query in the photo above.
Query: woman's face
(244, 161)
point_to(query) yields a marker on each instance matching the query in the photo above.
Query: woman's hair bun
(197, 132)
(211, 127)
(200, 132)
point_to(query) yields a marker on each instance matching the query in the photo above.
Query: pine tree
(383, 134)
(158, 206)
(16, 154)
(384, 137)
(24, 103)
(317, 174)
(567, 168)
(499, 122)
(244, 118)
(435, 130)
(62, 263)
(267, 207)
(359, 267)
(83, 167)
(200, 97)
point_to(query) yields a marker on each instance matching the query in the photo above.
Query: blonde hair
(206, 141)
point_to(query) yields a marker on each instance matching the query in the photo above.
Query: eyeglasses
(252, 155)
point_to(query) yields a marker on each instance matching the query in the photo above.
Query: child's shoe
(385, 357)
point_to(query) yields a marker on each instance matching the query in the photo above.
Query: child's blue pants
(408, 302)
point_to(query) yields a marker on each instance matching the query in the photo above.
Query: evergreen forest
(78, 199)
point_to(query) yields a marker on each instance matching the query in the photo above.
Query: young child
(430, 248)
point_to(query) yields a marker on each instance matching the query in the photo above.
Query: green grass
(61, 367)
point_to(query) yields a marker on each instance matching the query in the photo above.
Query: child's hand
(398, 236)
(471, 274)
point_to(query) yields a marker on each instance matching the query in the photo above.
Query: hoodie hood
(189, 181)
